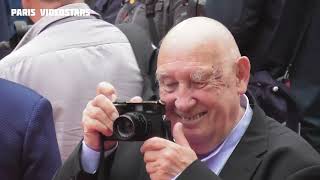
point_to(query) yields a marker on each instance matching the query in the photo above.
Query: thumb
(136, 99)
(178, 135)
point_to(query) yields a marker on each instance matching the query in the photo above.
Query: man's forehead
(180, 63)
(168, 70)
(199, 55)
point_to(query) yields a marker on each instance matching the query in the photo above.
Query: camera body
(140, 121)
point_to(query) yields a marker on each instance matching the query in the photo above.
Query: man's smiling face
(201, 92)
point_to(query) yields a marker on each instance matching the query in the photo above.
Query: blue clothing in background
(16, 4)
(28, 143)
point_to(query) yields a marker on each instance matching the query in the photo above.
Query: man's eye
(199, 85)
(169, 87)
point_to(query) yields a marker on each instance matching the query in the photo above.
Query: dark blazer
(28, 144)
(267, 151)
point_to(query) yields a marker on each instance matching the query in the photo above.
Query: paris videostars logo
(23, 12)
(51, 12)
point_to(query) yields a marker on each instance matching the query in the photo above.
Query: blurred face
(201, 92)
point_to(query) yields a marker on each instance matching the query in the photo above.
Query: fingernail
(103, 84)
(112, 97)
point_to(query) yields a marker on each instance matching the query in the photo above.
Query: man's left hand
(165, 159)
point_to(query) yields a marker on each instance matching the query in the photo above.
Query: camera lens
(125, 127)
(130, 125)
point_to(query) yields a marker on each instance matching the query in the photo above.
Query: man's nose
(184, 103)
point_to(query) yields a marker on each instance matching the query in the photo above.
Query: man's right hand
(98, 117)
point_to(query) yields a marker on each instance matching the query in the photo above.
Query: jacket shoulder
(16, 92)
(19, 102)
(288, 155)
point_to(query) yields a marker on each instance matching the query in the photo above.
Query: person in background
(28, 144)
(108, 9)
(65, 57)
(219, 130)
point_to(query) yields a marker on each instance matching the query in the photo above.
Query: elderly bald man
(219, 131)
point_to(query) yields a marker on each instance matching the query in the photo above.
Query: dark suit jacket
(28, 144)
(267, 150)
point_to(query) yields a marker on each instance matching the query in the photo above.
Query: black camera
(140, 121)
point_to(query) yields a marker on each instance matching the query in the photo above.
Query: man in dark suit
(219, 131)
(28, 144)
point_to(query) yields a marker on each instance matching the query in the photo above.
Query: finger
(136, 99)
(95, 112)
(150, 156)
(107, 106)
(152, 167)
(93, 125)
(106, 89)
(179, 136)
(154, 144)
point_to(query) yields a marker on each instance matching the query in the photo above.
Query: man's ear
(243, 74)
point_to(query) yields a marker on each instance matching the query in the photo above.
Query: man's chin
(193, 135)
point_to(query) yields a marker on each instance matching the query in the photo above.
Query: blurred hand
(98, 117)
(165, 159)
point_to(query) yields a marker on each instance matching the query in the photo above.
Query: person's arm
(40, 157)
(72, 169)
(90, 158)
(97, 120)
(81, 164)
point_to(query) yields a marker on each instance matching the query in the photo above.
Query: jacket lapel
(247, 155)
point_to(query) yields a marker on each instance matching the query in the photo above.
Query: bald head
(200, 70)
(63, 1)
(200, 34)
